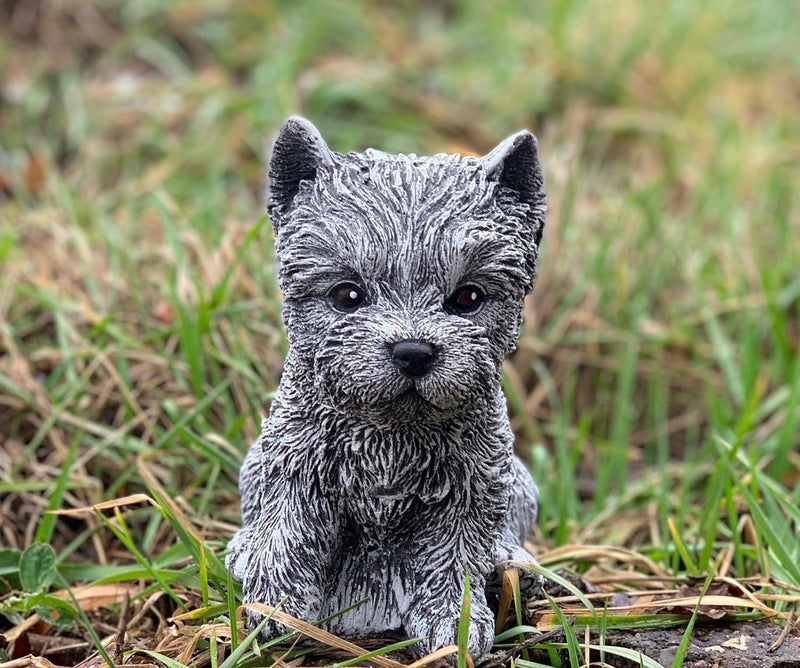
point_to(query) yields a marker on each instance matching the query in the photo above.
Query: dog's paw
(481, 634)
(271, 629)
(441, 629)
(530, 582)
(305, 607)
(264, 593)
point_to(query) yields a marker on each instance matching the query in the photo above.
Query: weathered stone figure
(385, 469)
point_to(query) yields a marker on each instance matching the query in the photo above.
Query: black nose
(413, 358)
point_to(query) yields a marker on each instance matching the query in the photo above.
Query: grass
(656, 386)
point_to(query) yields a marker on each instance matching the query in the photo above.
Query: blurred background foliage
(138, 306)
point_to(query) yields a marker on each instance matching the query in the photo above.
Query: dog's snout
(413, 358)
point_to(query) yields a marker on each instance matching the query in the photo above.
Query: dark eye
(346, 297)
(467, 299)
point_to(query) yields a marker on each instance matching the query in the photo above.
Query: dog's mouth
(410, 395)
(415, 401)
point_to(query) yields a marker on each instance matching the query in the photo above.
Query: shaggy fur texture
(386, 468)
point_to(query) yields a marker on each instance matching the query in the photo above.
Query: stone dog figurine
(385, 470)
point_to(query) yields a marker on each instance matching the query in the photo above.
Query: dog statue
(386, 469)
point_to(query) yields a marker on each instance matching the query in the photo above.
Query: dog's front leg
(284, 557)
(435, 609)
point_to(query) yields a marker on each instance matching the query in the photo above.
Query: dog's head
(404, 276)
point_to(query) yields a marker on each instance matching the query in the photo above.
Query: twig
(790, 620)
(122, 628)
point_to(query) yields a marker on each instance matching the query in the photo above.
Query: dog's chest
(388, 477)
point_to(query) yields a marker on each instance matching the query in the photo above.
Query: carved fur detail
(369, 481)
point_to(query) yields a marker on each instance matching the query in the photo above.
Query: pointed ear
(298, 152)
(514, 164)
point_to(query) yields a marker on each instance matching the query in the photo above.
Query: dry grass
(656, 386)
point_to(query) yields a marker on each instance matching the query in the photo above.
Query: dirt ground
(737, 645)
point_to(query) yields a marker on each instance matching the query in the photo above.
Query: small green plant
(36, 572)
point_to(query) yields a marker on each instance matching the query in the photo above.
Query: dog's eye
(467, 299)
(346, 297)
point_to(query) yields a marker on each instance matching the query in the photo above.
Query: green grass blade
(98, 643)
(691, 566)
(231, 601)
(44, 532)
(237, 655)
(516, 632)
(525, 663)
(123, 535)
(622, 652)
(555, 577)
(683, 647)
(768, 526)
(394, 647)
(158, 656)
(463, 623)
(572, 644)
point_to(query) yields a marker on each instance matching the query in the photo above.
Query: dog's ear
(514, 164)
(299, 151)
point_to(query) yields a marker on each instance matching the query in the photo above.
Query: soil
(737, 645)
